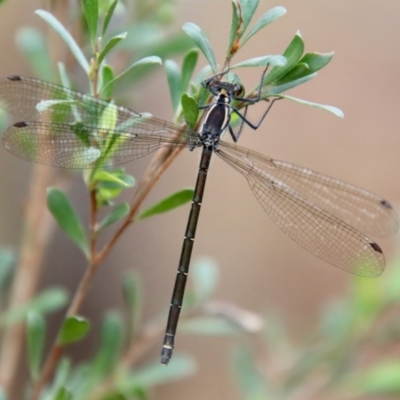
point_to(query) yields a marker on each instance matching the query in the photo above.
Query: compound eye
(239, 90)
(213, 87)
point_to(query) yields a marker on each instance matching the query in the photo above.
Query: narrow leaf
(117, 213)
(209, 326)
(73, 329)
(32, 44)
(66, 36)
(270, 16)
(297, 72)
(156, 374)
(107, 74)
(63, 394)
(108, 16)
(286, 86)
(65, 81)
(7, 261)
(133, 297)
(205, 279)
(35, 333)
(111, 344)
(202, 42)
(66, 217)
(106, 176)
(249, 7)
(147, 61)
(316, 61)
(292, 54)
(174, 82)
(251, 382)
(169, 203)
(236, 28)
(334, 110)
(380, 379)
(188, 66)
(262, 62)
(190, 109)
(91, 11)
(49, 300)
(110, 45)
(61, 378)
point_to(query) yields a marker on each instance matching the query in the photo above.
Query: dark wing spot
(386, 204)
(14, 78)
(376, 247)
(20, 124)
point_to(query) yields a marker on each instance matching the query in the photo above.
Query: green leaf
(110, 345)
(156, 374)
(63, 394)
(367, 296)
(270, 16)
(66, 217)
(133, 297)
(292, 54)
(262, 62)
(337, 321)
(3, 395)
(286, 86)
(174, 82)
(202, 42)
(190, 109)
(188, 66)
(391, 282)
(334, 110)
(110, 45)
(205, 279)
(110, 184)
(316, 61)
(143, 63)
(61, 378)
(73, 330)
(66, 36)
(251, 382)
(7, 262)
(249, 7)
(108, 16)
(33, 45)
(298, 71)
(47, 301)
(168, 203)
(235, 26)
(209, 326)
(91, 11)
(382, 378)
(116, 214)
(65, 81)
(35, 333)
(121, 179)
(107, 74)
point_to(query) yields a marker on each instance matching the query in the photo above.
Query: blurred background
(260, 268)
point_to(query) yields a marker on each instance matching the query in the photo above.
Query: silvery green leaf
(334, 110)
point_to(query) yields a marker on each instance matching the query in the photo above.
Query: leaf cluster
(109, 373)
(349, 352)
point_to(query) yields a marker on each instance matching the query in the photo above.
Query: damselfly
(65, 128)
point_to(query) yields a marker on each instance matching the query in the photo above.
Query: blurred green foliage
(345, 352)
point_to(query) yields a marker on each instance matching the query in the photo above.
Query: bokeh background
(260, 268)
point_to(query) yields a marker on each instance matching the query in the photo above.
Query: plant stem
(38, 226)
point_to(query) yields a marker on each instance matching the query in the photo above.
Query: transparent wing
(304, 210)
(65, 128)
